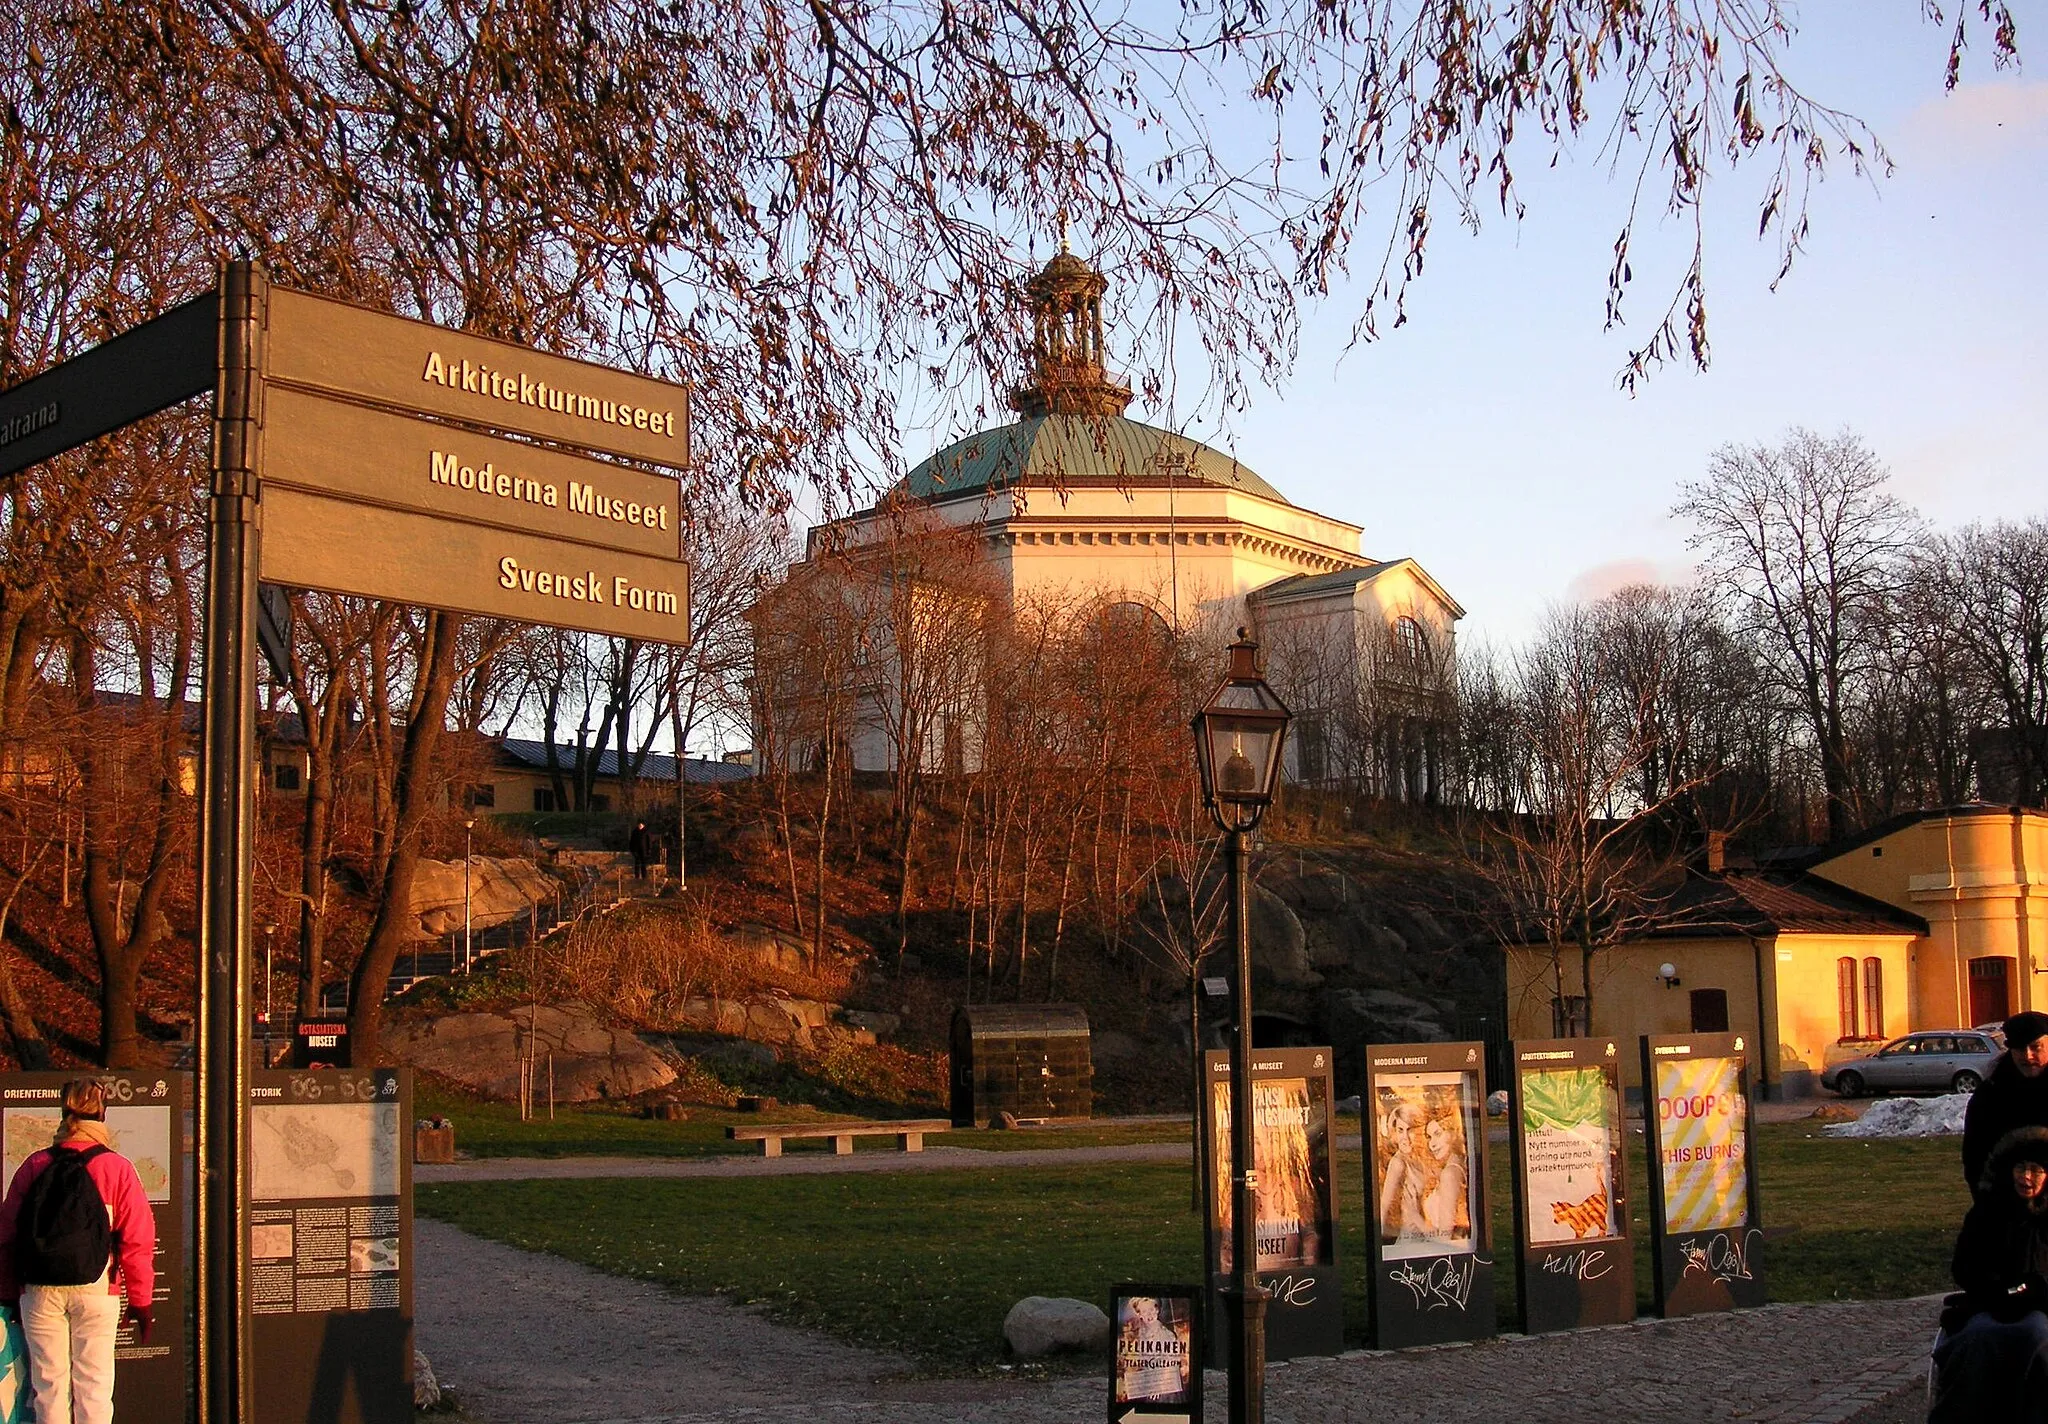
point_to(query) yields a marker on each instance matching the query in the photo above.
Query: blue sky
(1488, 437)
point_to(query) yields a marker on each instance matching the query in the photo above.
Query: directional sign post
(360, 453)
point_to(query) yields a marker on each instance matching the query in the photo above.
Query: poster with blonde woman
(1422, 1172)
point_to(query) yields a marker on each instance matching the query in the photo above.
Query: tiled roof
(1324, 583)
(1766, 902)
(530, 751)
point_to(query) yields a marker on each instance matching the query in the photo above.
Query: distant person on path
(75, 1235)
(642, 846)
(2015, 1095)
(1992, 1363)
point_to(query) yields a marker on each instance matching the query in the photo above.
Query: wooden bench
(909, 1133)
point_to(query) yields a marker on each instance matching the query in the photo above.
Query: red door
(1990, 990)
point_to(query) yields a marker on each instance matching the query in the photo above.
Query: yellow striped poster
(1703, 1137)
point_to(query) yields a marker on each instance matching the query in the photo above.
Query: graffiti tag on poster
(1703, 1139)
(1289, 1120)
(1571, 1139)
(1423, 1170)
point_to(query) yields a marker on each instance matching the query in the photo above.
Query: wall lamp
(1668, 972)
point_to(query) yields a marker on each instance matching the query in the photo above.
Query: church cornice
(1136, 531)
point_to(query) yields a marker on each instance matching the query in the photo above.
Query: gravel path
(802, 1162)
(533, 1339)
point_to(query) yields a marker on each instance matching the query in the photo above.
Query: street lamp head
(1239, 735)
(469, 824)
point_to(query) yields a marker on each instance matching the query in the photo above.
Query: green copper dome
(1077, 451)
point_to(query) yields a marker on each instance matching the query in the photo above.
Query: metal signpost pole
(468, 957)
(225, 836)
(1247, 1363)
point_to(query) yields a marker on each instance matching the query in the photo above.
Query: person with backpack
(76, 1235)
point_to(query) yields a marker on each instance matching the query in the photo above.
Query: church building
(1078, 503)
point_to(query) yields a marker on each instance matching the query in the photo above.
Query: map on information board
(143, 1136)
(298, 1152)
(25, 1132)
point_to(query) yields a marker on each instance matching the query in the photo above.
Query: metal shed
(1029, 1060)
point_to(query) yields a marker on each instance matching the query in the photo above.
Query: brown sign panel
(349, 350)
(1706, 1233)
(157, 364)
(147, 1116)
(332, 447)
(329, 1247)
(339, 546)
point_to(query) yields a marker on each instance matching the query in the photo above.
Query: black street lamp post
(1239, 734)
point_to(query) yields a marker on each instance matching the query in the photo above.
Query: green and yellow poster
(1571, 1135)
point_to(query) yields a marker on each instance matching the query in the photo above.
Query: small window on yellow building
(1873, 997)
(1845, 995)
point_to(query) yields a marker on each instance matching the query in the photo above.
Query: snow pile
(1907, 1117)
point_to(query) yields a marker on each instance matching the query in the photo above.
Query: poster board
(330, 1246)
(1429, 1240)
(1292, 1100)
(1706, 1231)
(1574, 1261)
(1155, 1365)
(149, 1120)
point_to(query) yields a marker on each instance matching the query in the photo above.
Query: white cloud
(1976, 122)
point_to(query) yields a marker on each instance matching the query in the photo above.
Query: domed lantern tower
(1065, 300)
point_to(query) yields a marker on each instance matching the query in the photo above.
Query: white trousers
(70, 1332)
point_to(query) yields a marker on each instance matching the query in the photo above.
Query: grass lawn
(488, 1129)
(928, 1263)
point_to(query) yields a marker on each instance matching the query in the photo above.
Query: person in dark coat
(1991, 1366)
(2015, 1095)
(641, 843)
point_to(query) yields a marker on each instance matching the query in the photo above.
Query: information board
(1430, 1243)
(147, 1119)
(1155, 1367)
(1575, 1264)
(1706, 1231)
(330, 1246)
(1297, 1200)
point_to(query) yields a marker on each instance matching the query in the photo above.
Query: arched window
(1873, 997)
(1845, 995)
(1410, 641)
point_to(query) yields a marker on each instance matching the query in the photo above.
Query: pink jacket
(134, 1264)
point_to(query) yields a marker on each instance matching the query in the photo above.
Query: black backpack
(62, 1237)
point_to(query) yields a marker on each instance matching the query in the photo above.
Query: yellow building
(1937, 919)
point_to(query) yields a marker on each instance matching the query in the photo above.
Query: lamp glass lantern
(1239, 736)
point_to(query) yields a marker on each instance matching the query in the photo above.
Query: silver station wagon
(1936, 1061)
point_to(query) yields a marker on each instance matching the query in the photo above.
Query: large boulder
(770, 948)
(499, 890)
(1043, 1325)
(768, 1018)
(483, 1052)
(426, 1390)
(1279, 945)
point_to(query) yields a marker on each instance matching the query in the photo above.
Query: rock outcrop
(499, 890)
(483, 1052)
(1043, 1325)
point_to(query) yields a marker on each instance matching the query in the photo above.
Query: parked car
(1937, 1061)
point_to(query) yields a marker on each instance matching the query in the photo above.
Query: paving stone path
(526, 1338)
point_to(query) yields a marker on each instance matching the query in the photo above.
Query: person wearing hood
(2015, 1095)
(1992, 1361)
(71, 1306)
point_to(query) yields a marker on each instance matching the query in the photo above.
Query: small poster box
(1429, 1240)
(1155, 1361)
(1297, 1200)
(1575, 1264)
(1706, 1231)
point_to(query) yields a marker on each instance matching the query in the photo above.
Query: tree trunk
(412, 798)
